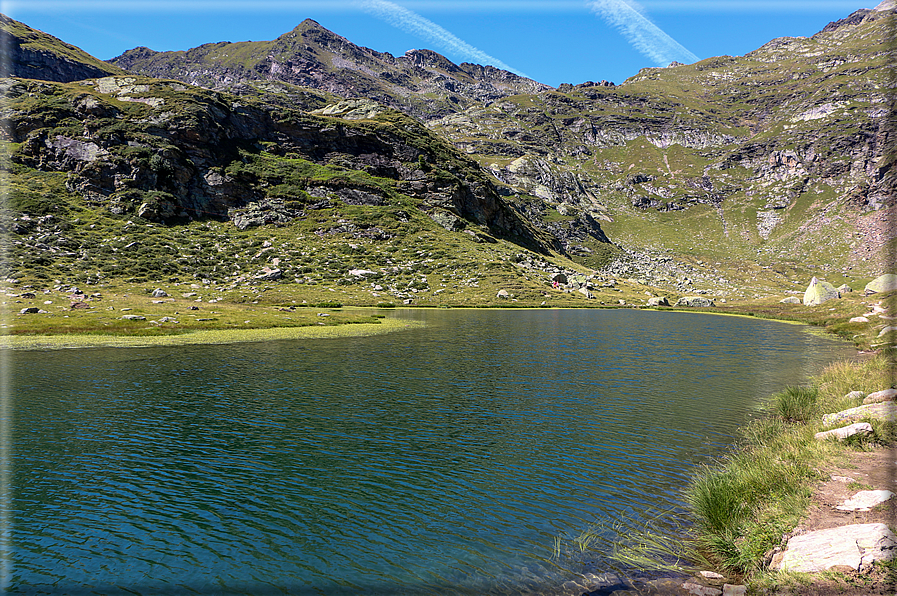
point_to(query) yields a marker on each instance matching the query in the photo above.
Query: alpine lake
(464, 456)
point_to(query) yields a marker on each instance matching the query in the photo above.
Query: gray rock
(699, 590)
(854, 547)
(31, 310)
(268, 274)
(695, 301)
(881, 396)
(819, 292)
(858, 428)
(447, 220)
(734, 590)
(585, 292)
(561, 278)
(886, 330)
(502, 294)
(855, 395)
(157, 293)
(168, 320)
(881, 411)
(859, 320)
(844, 289)
(133, 317)
(883, 283)
(658, 301)
(790, 300)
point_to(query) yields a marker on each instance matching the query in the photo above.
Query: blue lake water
(439, 460)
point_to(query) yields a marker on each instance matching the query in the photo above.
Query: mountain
(733, 176)
(422, 83)
(33, 54)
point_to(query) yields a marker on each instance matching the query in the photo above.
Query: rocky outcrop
(187, 154)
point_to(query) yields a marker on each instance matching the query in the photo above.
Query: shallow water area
(444, 459)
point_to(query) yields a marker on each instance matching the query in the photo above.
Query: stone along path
(850, 523)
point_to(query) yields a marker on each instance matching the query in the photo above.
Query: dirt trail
(874, 470)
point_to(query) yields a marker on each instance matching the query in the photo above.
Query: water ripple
(441, 460)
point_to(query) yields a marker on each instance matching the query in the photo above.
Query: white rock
(855, 547)
(865, 500)
(881, 396)
(502, 294)
(886, 330)
(859, 428)
(855, 395)
(859, 320)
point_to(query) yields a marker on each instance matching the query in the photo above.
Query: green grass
(744, 505)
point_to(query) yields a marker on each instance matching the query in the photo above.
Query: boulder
(855, 547)
(884, 283)
(790, 300)
(881, 396)
(819, 292)
(886, 330)
(881, 411)
(734, 590)
(585, 292)
(858, 428)
(694, 301)
(503, 294)
(844, 289)
(855, 395)
(859, 320)
(865, 500)
(268, 274)
(157, 293)
(31, 310)
(658, 301)
(133, 318)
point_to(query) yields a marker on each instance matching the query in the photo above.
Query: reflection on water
(437, 460)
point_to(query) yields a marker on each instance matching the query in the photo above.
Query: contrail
(649, 39)
(413, 23)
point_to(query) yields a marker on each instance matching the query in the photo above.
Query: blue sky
(552, 41)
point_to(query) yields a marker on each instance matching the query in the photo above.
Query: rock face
(854, 547)
(819, 292)
(203, 156)
(883, 283)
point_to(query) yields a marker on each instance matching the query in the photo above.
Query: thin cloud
(413, 23)
(630, 19)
